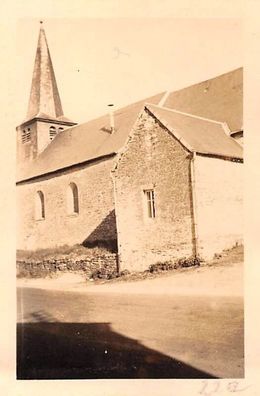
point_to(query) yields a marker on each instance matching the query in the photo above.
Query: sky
(123, 60)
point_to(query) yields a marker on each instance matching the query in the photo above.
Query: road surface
(76, 335)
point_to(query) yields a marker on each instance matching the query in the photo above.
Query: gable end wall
(153, 159)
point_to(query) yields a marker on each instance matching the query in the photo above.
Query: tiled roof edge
(187, 145)
(82, 163)
(221, 156)
(170, 129)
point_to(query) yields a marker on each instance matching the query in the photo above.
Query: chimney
(111, 118)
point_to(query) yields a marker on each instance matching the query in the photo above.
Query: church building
(158, 180)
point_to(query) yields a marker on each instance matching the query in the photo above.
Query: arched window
(39, 206)
(52, 132)
(72, 199)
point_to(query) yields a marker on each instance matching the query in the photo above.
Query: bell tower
(45, 118)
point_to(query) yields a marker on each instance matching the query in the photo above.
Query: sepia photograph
(129, 197)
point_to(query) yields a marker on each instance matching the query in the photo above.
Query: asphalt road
(111, 335)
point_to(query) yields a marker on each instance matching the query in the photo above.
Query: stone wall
(153, 158)
(94, 224)
(102, 265)
(26, 151)
(219, 204)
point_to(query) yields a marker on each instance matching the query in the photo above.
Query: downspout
(194, 204)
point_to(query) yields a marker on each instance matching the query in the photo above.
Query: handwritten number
(207, 391)
(234, 387)
(202, 391)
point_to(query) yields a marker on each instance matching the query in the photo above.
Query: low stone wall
(99, 266)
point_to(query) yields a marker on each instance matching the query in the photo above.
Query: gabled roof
(198, 134)
(219, 99)
(85, 142)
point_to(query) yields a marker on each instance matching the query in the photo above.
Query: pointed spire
(44, 96)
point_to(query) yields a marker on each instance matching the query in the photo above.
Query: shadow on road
(90, 351)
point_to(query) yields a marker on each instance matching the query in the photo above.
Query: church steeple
(44, 97)
(45, 117)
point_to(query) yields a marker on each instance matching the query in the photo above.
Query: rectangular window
(149, 195)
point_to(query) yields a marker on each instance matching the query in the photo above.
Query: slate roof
(219, 99)
(199, 135)
(86, 141)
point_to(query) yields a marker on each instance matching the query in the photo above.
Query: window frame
(40, 212)
(72, 199)
(149, 198)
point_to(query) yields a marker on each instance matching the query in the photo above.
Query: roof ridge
(184, 113)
